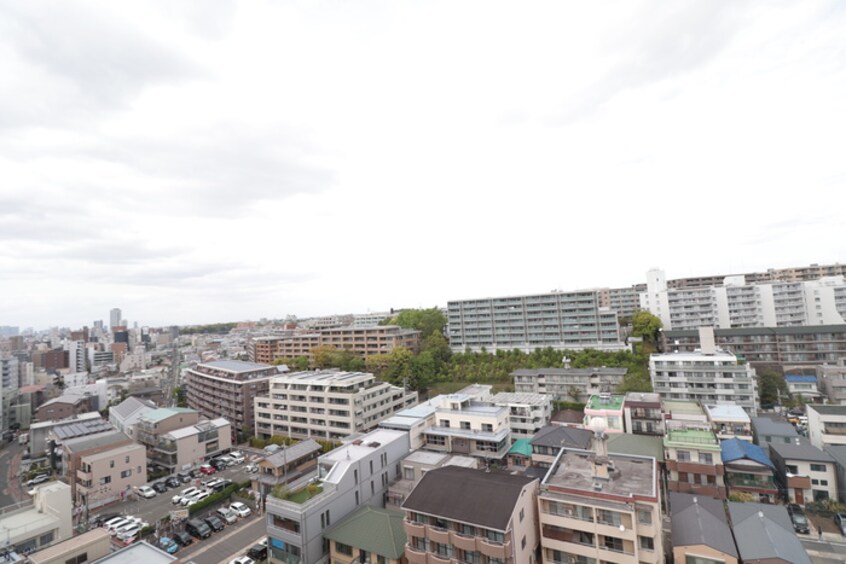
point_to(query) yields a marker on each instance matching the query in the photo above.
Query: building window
(609, 517)
(445, 423)
(644, 517)
(344, 549)
(646, 543)
(706, 458)
(613, 543)
(683, 455)
(487, 428)
(111, 463)
(523, 543)
(355, 476)
(522, 514)
(105, 480)
(356, 498)
(45, 539)
(465, 425)
(467, 530)
(126, 473)
(81, 559)
(127, 460)
(495, 536)
(817, 467)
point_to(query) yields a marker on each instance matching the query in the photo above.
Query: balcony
(493, 549)
(464, 542)
(414, 555)
(414, 529)
(437, 534)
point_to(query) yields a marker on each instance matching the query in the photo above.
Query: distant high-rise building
(114, 317)
(76, 355)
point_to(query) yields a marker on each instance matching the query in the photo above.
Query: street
(229, 543)
(11, 490)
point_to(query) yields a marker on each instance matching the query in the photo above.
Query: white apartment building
(327, 404)
(708, 375)
(567, 384)
(561, 320)
(465, 426)
(38, 522)
(528, 413)
(737, 303)
(826, 425)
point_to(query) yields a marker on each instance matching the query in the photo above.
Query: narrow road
(11, 490)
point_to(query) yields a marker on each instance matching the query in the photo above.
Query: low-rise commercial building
(327, 405)
(125, 415)
(465, 515)
(831, 381)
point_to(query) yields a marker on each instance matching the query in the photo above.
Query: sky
(196, 162)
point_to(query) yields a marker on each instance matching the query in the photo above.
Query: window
(355, 476)
(487, 428)
(127, 460)
(465, 425)
(495, 536)
(420, 543)
(81, 559)
(105, 480)
(817, 467)
(342, 548)
(445, 423)
(609, 517)
(45, 539)
(644, 517)
(372, 488)
(792, 468)
(706, 458)
(701, 560)
(111, 463)
(646, 543)
(356, 497)
(523, 543)
(126, 473)
(287, 524)
(467, 530)
(371, 467)
(522, 515)
(683, 455)
(613, 543)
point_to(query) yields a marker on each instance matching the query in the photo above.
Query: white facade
(464, 426)
(76, 356)
(708, 378)
(528, 413)
(826, 425)
(738, 304)
(48, 518)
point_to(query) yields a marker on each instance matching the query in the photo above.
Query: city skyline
(198, 164)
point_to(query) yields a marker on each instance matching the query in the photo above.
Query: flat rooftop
(682, 407)
(698, 437)
(352, 452)
(521, 398)
(613, 403)
(632, 475)
(324, 377)
(235, 366)
(728, 413)
(138, 552)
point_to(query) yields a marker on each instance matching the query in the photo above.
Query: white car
(227, 515)
(196, 498)
(110, 522)
(250, 468)
(187, 492)
(146, 492)
(116, 524)
(242, 560)
(128, 532)
(237, 456)
(240, 509)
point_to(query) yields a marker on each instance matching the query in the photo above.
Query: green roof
(614, 403)
(163, 413)
(522, 446)
(699, 438)
(640, 445)
(374, 530)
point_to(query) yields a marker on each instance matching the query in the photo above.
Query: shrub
(216, 497)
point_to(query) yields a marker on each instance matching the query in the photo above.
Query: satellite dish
(598, 425)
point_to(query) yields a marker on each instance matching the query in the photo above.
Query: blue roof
(800, 378)
(736, 449)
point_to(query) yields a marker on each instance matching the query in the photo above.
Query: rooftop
(293, 452)
(600, 370)
(801, 451)
(683, 407)
(325, 377)
(362, 447)
(800, 378)
(196, 429)
(235, 366)
(828, 409)
(470, 496)
(700, 520)
(557, 436)
(770, 427)
(640, 445)
(97, 440)
(521, 398)
(733, 413)
(81, 428)
(598, 401)
(163, 413)
(630, 476)
(59, 549)
(138, 552)
(765, 532)
(699, 438)
(695, 356)
(72, 419)
(521, 446)
(643, 397)
(732, 450)
(377, 531)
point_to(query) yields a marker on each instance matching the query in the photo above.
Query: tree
(323, 356)
(427, 321)
(771, 387)
(646, 326)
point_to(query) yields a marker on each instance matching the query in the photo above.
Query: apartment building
(561, 320)
(354, 474)
(469, 427)
(729, 421)
(459, 514)
(227, 388)
(596, 507)
(190, 446)
(709, 375)
(805, 472)
(643, 413)
(363, 340)
(567, 384)
(152, 424)
(528, 413)
(38, 522)
(694, 460)
(262, 350)
(327, 404)
(736, 303)
(287, 465)
(826, 425)
(831, 381)
(416, 465)
(103, 468)
(608, 408)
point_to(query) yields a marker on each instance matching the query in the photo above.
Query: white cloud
(207, 162)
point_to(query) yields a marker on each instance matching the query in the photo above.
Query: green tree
(324, 356)
(646, 326)
(427, 321)
(771, 387)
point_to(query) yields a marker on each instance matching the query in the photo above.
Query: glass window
(342, 548)
(646, 543)
(817, 467)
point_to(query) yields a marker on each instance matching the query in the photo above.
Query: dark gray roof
(81, 428)
(773, 428)
(801, 451)
(129, 406)
(764, 531)
(746, 331)
(293, 452)
(829, 409)
(97, 440)
(558, 436)
(838, 452)
(699, 519)
(471, 496)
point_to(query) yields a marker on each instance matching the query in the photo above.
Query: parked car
(101, 520)
(242, 560)
(168, 545)
(40, 479)
(128, 533)
(187, 492)
(215, 523)
(217, 463)
(840, 521)
(240, 509)
(237, 456)
(220, 485)
(114, 522)
(183, 477)
(207, 469)
(198, 529)
(146, 492)
(175, 481)
(798, 518)
(227, 515)
(258, 552)
(195, 497)
(160, 487)
(250, 468)
(183, 539)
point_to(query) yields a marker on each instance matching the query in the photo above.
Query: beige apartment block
(465, 426)
(190, 446)
(87, 547)
(362, 341)
(327, 405)
(38, 522)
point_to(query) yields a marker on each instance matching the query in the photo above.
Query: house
(124, 415)
(753, 522)
(826, 424)
(520, 454)
(286, 465)
(838, 453)
(729, 421)
(368, 535)
(467, 515)
(644, 413)
(415, 466)
(67, 405)
(700, 530)
(800, 385)
(772, 429)
(748, 469)
(694, 461)
(609, 408)
(548, 442)
(806, 472)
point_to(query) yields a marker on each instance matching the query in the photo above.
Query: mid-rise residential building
(752, 522)
(693, 460)
(729, 421)
(608, 408)
(831, 382)
(644, 413)
(567, 384)
(465, 515)
(415, 466)
(736, 303)
(370, 319)
(748, 469)
(227, 388)
(700, 530)
(189, 446)
(596, 507)
(288, 464)
(368, 535)
(826, 425)
(803, 386)
(152, 424)
(354, 474)
(805, 472)
(709, 375)
(39, 522)
(528, 413)
(327, 404)
(561, 320)
(365, 340)
(103, 468)
(466, 426)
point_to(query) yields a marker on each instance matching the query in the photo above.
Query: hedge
(217, 497)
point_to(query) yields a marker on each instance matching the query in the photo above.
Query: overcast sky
(204, 161)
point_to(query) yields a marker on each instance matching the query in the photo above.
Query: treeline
(217, 328)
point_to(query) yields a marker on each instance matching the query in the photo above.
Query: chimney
(707, 344)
